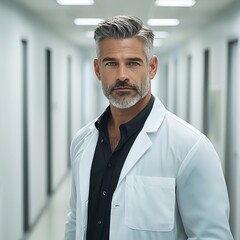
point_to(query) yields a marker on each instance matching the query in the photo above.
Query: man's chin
(124, 103)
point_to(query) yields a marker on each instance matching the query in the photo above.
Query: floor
(51, 223)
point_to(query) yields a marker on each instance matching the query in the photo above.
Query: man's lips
(123, 88)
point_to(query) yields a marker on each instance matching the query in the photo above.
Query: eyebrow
(107, 59)
(133, 59)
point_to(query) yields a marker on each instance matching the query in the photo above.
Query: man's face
(124, 71)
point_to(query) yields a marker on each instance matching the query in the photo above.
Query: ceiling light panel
(75, 2)
(163, 22)
(175, 3)
(87, 21)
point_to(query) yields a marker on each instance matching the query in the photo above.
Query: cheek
(145, 76)
(104, 83)
(108, 77)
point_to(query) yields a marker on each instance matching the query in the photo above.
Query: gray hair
(120, 27)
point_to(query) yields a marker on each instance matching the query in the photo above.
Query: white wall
(15, 25)
(77, 82)
(93, 100)
(10, 141)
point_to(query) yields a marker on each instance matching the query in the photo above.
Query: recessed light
(75, 2)
(175, 3)
(87, 21)
(163, 22)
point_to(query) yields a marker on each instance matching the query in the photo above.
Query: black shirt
(106, 169)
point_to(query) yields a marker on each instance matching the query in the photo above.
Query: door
(69, 111)
(48, 56)
(232, 140)
(189, 74)
(206, 90)
(25, 140)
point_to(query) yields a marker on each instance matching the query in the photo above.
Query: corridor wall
(18, 25)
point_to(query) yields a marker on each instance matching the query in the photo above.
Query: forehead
(127, 47)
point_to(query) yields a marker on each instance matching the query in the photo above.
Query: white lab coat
(171, 186)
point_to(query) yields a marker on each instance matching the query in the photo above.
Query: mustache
(124, 83)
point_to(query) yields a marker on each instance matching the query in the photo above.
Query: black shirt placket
(106, 169)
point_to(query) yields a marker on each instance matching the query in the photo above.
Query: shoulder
(199, 151)
(183, 138)
(180, 127)
(81, 135)
(172, 125)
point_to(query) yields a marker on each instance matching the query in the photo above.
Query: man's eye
(133, 64)
(111, 64)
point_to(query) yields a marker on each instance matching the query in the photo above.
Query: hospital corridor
(49, 91)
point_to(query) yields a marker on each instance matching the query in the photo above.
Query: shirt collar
(130, 127)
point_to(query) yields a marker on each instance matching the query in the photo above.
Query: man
(140, 172)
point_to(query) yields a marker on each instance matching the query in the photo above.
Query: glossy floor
(51, 223)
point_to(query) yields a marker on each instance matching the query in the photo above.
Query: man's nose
(122, 73)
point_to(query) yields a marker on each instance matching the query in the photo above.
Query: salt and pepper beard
(124, 100)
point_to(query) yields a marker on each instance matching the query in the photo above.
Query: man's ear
(96, 68)
(153, 67)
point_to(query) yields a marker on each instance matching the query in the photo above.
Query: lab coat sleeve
(70, 225)
(71, 231)
(202, 195)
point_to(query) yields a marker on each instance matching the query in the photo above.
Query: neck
(121, 116)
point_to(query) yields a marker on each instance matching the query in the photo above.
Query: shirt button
(109, 165)
(104, 193)
(102, 140)
(99, 222)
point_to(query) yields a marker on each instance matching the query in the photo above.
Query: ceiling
(61, 17)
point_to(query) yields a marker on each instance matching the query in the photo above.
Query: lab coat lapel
(140, 146)
(143, 141)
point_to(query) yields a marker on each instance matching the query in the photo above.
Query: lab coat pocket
(150, 203)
